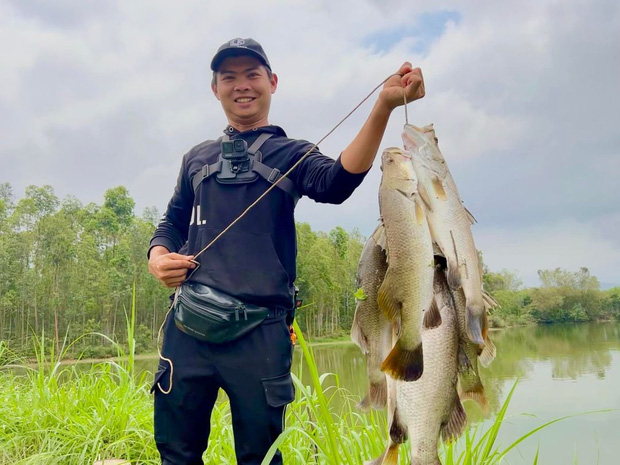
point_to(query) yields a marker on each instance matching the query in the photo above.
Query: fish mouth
(394, 153)
(415, 137)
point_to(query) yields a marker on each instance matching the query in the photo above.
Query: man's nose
(242, 84)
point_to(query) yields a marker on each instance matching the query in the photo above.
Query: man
(254, 261)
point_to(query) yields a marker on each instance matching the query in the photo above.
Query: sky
(525, 103)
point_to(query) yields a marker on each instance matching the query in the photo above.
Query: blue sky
(427, 28)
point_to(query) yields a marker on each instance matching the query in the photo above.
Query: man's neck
(242, 126)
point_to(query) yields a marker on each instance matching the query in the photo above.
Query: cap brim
(235, 52)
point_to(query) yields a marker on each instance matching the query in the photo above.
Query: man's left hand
(410, 82)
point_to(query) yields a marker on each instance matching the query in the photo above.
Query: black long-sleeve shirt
(255, 259)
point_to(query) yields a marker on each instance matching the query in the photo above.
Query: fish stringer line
(405, 99)
(176, 294)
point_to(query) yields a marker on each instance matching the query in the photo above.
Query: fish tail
(476, 325)
(388, 457)
(403, 363)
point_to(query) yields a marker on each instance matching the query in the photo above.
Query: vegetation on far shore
(66, 270)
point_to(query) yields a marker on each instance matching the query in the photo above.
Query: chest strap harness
(245, 170)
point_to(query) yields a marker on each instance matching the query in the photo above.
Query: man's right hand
(169, 268)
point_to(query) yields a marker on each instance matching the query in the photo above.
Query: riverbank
(76, 415)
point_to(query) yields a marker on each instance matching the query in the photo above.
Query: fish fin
(426, 200)
(464, 364)
(488, 352)
(388, 457)
(379, 236)
(471, 217)
(388, 304)
(453, 275)
(364, 404)
(455, 425)
(476, 393)
(419, 213)
(475, 325)
(358, 337)
(489, 301)
(404, 364)
(437, 251)
(471, 387)
(378, 394)
(440, 192)
(398, 430)
(432, 316)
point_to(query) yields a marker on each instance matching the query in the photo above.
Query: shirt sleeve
(325, 180)
(173, 228)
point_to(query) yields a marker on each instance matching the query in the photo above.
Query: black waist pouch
(213, 316)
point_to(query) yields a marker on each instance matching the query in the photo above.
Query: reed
(57, 414)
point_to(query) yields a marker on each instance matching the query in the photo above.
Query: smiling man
(229, 326)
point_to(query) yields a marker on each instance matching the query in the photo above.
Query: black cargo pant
(253, 370)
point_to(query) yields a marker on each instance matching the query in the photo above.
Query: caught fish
(371, 330)
(470, 353)
(406, 292)
(430, 407)
(450, 224)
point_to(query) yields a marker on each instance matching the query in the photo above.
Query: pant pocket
(160, 409)
(279, 390)
(162, 377)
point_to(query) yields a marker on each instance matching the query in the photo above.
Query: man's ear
(214, 89)
(274, 82)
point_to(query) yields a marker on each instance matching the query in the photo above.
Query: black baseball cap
(237, 47)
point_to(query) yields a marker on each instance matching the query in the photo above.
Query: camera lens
(227, 147)
(238, 145)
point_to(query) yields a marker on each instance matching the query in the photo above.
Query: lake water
(562, 370)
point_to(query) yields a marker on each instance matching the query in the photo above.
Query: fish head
(423, 143)
(396, 166)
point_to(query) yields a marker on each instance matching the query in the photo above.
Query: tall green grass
(57, 414)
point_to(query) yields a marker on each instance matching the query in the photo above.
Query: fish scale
(430, 407)
(406, 291)
(371, 330)
(450, 224)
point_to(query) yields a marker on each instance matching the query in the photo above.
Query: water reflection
(572, 351)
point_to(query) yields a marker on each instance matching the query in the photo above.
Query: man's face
(244, 88)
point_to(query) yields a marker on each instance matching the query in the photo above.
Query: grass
(53, 414)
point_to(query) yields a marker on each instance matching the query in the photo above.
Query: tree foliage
(67, 269)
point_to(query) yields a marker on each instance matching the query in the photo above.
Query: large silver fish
(430, 407)
(406, 292)
(450, 224)
(371, 330)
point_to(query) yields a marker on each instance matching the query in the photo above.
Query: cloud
(524, 102)
(565, 244)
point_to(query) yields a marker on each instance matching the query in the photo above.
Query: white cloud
(565, 244)
(525, 103)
